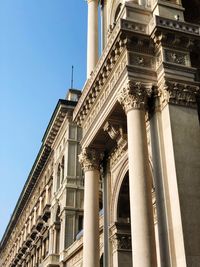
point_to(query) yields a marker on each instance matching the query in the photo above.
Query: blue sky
(39, 42)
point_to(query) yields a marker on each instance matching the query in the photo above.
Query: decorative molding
(176, 57)
(121, 242)
(103, 94)
(178, 25)
(89, 159)
(133, 26)
(116, 132)
(182, 94)
(176, 93)
(141, 60)
(134, 95)
(94, 76)
(118, 152)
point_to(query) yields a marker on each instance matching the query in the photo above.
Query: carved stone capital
(162, 96)
(89, 159)
(121, 242)
(134, 95)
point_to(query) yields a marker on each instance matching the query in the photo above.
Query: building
(140, 150)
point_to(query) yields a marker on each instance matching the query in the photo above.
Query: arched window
(58, 176)
(57, 231)
(123, 208)
(62, 169)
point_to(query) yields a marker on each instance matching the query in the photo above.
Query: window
(58, 176)
(62, 169)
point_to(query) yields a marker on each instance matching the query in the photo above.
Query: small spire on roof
(72, 77)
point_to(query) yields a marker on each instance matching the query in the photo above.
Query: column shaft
(142, 226)
(92, 37)
(91, 219)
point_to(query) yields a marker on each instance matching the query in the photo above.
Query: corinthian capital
(89, 159)
(134, 95)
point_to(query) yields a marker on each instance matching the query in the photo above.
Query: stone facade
(140, 148)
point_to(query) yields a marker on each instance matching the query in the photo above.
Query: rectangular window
(69, 231)
(72, 159)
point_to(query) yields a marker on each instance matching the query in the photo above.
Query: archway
(123, 207)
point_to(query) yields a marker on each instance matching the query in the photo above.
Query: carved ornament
(182, 94)
(89, 159)
(121, 242)
(134, 95)
(176, 93)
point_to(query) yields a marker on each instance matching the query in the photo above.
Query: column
(51, 240)
(25, 231)
(104, 26)
(171, 240)
(34, 215)
(90, 163)
(62, 230)
(132, 99)
(29, 225)
(92, 36)
(47, 195)
(40, 206)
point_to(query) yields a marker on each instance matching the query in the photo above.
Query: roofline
(31, 180)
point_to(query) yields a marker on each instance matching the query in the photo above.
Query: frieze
(105, 91)
(176, 93)
(141, 60)
(133, 26)
(182, 94)
(176, 57)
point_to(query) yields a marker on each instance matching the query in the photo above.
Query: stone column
(132, 99)
(29, 225)
(51, 240)
(34, 215)
(62, 230)
(40, 206)
(104, 26)
(92, 37)
(90, 163)
(47, 195)
(170, 232)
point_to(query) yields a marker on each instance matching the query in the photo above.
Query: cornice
(62, 107)
(117, 41)
(177, 26)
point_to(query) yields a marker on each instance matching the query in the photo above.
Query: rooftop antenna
(72, 78)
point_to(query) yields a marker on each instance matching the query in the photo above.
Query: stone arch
(123, 205)
(114, 6)
(116, 190)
